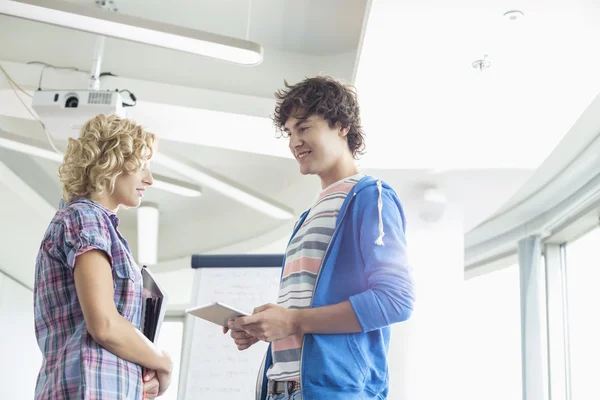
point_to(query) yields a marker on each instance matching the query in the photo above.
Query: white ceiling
(416, 84)
(418, 88)
(430, 118)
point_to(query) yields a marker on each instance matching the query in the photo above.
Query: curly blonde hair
(107, 147)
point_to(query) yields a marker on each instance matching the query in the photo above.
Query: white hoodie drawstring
(379, 241)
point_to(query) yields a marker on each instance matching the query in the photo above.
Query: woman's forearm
(94, 285)
(121, 338)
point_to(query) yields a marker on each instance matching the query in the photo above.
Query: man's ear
(344, 131)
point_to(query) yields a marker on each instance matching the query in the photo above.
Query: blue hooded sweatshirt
(365, 263)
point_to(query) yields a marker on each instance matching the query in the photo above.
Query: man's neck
(341, 171)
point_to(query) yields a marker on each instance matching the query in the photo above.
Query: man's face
(316, 146)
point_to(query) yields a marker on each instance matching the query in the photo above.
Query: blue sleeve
(390, 296)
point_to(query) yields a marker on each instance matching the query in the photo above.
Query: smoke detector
(514, 15)
(481, 64)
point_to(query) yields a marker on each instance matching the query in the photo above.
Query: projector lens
(72, 102)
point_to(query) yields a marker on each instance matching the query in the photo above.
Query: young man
(345, 277)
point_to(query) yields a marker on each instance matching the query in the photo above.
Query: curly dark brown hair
(327, 97)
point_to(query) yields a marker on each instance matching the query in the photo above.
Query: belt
(279, 387)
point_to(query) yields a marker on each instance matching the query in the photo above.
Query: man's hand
(268, 323)
(241, 339)
(151, 385)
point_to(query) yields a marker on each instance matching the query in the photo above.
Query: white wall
(20, 357)
(425, 352)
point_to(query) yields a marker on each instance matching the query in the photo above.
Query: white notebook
(217, 313)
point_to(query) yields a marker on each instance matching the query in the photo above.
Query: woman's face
(130, 187)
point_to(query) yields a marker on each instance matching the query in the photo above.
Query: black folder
(154, 305)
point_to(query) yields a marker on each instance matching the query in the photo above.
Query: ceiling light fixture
(163, 183)
(121, 26)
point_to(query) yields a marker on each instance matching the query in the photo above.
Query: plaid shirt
(74, 366)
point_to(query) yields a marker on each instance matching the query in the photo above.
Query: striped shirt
(74, 366)
(304, 256)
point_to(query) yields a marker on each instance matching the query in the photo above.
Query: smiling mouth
(303, 154)
(140, 192)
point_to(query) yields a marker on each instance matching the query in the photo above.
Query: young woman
(88, 288)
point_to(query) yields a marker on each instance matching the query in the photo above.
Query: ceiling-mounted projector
(64, 112)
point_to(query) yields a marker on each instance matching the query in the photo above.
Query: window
(170, 339)
(583, 298)
(492, 333)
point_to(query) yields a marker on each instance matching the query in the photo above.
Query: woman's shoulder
(76, 221)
